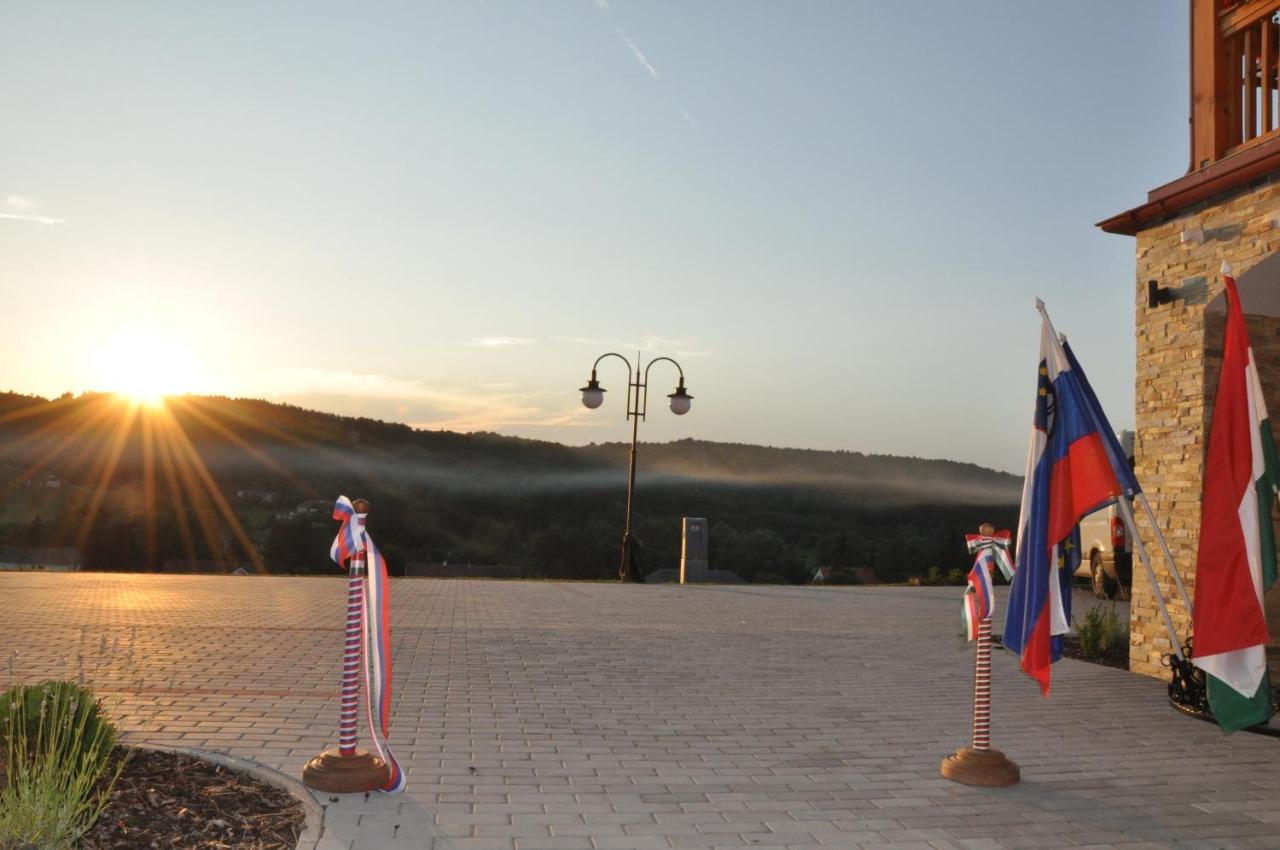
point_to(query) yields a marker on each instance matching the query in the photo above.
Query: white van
(1108, 558)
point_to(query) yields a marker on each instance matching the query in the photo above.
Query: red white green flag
(1236, 561)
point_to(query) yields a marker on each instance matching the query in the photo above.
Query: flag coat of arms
(979, 598)
(1068, 476)
(1236, 559)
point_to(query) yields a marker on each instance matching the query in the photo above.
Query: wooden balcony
(1250, 38)
(1235, 108)
(1235, 94)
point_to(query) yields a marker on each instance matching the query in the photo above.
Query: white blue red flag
(1115, 454)
(979, 599)
(353, 539)
(1068, 476)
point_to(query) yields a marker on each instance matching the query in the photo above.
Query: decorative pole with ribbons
(368, 639)
(980, 764)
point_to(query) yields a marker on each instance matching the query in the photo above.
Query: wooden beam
(1268, 60)
(1234, 94)
(1250, 80)
(1209, 134)
(1231, 22)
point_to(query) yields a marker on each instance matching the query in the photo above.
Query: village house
(1226, 207)
(49, 558)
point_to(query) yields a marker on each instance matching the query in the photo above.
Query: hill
(229, 480)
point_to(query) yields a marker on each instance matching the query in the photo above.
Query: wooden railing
(1250, 35)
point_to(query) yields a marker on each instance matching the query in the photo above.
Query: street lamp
(637, 403)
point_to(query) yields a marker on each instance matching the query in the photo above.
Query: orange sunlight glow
(144, 364)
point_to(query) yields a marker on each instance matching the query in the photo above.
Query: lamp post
(637, 403)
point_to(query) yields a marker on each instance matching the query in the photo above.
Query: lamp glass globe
(592, 398)
(680, 404)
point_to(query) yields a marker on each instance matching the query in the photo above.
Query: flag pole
(1164, 546)
(348, 770)
(1126, 513)
(980, 764)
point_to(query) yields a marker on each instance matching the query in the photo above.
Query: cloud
(603, 6)
(37, 219)
(692, 123)
(583, 340)
(496, 341)
(640, 57)
(18, 208)
(654, 345)
(452, 407)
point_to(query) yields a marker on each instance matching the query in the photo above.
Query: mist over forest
(246, 482)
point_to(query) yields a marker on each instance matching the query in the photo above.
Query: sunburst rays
(119, 446)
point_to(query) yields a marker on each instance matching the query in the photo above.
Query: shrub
(843, 575)
(1101, 634)
(57, 748)
(934, 577)
(76, 698)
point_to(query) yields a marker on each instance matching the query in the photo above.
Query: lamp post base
(338, 774)
(980, 767)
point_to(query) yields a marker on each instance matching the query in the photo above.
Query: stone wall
(1179, 349)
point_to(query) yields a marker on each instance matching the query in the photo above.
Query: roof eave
(1245, 166)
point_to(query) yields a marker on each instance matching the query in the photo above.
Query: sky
(835, 216)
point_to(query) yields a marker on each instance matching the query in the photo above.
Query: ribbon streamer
(979, 596)
(352, 540)
(995, 546)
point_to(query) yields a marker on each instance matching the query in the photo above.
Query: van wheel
(1104, 586)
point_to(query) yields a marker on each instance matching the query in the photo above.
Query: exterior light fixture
(681, 401)
(637, 403)
(593, 393)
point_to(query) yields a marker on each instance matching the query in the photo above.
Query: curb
(312, 827)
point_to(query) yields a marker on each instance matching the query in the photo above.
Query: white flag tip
(1226, 268)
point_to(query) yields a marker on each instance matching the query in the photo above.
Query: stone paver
(561, 715)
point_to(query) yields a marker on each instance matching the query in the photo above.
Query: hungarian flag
(1236, 561)
(1069, 475)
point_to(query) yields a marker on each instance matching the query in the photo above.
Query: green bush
(1101, 634)
(843, 575)
(58, 748)
(74, 697)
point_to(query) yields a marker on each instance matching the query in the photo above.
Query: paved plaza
(563, 715)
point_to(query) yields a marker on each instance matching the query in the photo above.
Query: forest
(250, 483)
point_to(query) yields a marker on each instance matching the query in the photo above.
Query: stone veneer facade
(1179, 350)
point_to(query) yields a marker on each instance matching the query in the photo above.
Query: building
(197, 566)
(1227, 206)
(50, 558)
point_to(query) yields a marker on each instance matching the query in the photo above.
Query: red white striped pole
(347, 770)
(351, 657)
(980, 764)
(982, 688)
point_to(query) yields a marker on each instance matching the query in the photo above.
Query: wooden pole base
(338, 774)
(980, 767)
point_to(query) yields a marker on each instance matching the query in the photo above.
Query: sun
(145, 364)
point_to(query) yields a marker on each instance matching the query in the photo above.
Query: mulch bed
(177, 802)
(1119, 660)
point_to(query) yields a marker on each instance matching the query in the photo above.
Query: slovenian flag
(979, 598)
(1236, 561)
(1068, 476)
